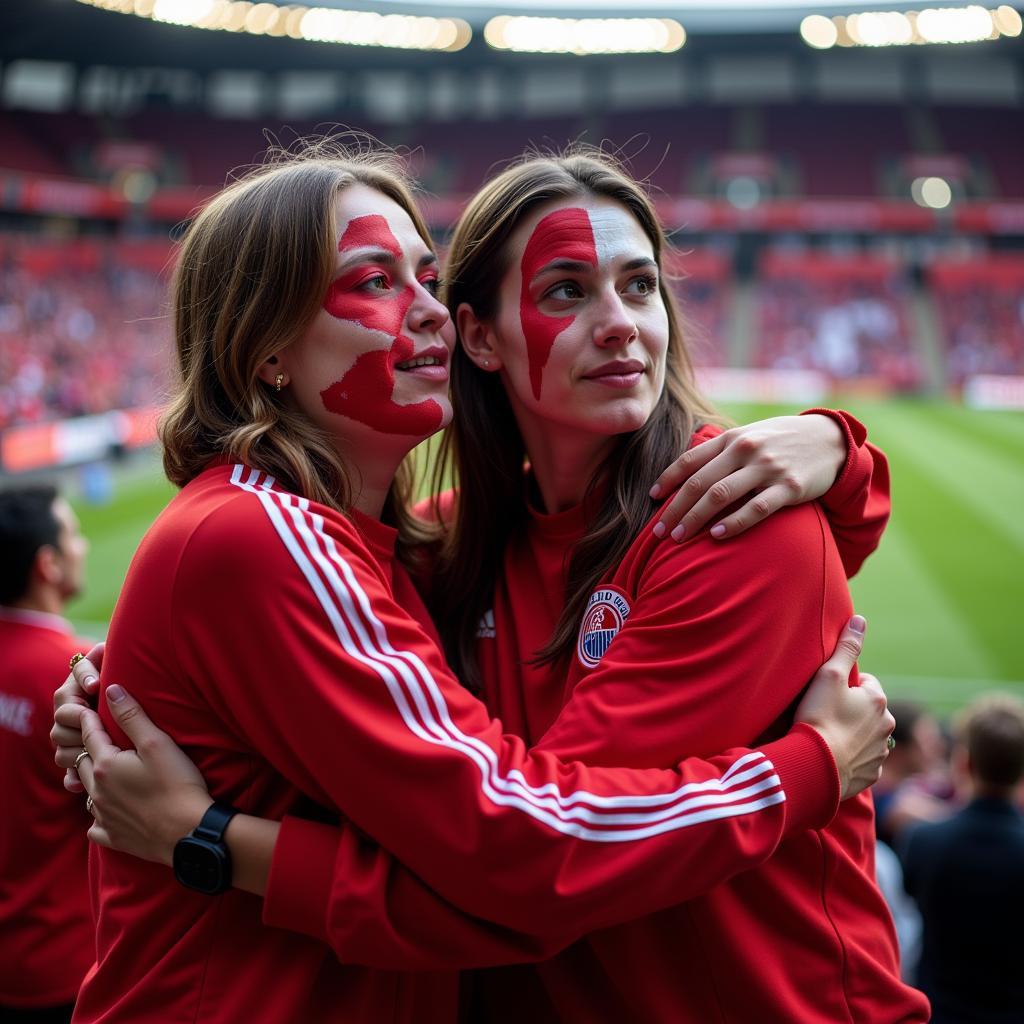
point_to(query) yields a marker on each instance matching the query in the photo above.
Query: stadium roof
(719, 16)
(82, 35)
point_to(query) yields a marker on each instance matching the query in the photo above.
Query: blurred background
(844, 186)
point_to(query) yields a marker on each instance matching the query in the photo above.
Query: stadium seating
(701, 281)
(981, 312)
(844, 316)
(82, 327)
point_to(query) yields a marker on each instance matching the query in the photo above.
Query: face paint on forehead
(565, 234)
(615, 234)
(365, 392)
(370, 231)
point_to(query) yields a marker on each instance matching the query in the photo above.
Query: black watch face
(201, 865)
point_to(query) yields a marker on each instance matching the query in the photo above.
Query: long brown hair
(252, 271)
(483, 452)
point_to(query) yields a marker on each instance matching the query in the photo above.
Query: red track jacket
(273, 639)
(808, 932)
(45, 923)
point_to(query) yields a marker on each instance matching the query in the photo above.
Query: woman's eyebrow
(572, 266)
(428, 259)
(582, 266)
(368, 256)
(641, 262)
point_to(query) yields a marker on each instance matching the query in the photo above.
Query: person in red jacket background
(46, 935)
(244, 584)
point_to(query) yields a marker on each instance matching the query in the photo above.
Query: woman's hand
(78, 691)
(782, 461)
(854, 720)
(144, 800)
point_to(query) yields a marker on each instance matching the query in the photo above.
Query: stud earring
(279, 382)
(487, 364)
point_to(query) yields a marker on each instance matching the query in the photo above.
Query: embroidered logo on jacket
(606, 612)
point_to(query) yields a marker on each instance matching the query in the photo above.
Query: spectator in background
(76, 342)
(967, 875)
(46, 931)
(914, 786)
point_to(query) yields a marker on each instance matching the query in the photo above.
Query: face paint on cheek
(365, 392)
(564, 234)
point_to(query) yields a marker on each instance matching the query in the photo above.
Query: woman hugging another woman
(270, 626)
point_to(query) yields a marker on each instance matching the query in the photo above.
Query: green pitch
(944, 595)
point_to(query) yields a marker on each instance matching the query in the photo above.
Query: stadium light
(819, 31)
(947, 25)
(1008, 21)
(584, 36)
(932, 193)
(297, 21)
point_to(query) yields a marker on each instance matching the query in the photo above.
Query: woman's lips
(430, 364)
(618, 374)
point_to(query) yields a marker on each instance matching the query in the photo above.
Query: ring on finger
(81, 757)
(88, 804)
(76, 658)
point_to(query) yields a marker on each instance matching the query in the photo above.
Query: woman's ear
(273, 372)
(476, 338)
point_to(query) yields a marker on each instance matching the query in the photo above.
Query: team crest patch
(606, 612)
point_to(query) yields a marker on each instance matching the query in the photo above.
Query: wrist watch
(202, 860)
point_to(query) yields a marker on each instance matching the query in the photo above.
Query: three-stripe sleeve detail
(749, 785)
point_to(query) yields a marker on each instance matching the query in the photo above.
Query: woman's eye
(432, 284)
(377, 283)
(565, 290)
(646, 284)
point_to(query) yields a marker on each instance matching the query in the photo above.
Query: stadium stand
(981, 312)
(81, 327)
(701, 280)
(844, 316)
(836, 150)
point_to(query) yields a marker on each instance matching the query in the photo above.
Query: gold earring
(279, 382)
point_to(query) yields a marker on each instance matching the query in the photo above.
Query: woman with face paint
(570, 342)
(268, 625)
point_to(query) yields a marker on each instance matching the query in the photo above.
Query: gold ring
(81, 757)
(891, 743)
(88, 804)
(76, 658)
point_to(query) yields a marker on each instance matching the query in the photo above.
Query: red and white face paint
(593, 238)
(562, 235)
(366, 392)
(581, 330)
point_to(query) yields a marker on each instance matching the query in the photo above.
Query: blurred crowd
(983, 323)
(84, 328)
(950, 855)
(846, 326)
(80, 341)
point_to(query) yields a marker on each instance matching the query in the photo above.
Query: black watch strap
(214, 822)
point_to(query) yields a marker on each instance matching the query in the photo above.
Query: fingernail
(115, 693)
(659, 529)
(89, 681)
(858, 623)
(656, 491)
(679, 532)
(718, 531)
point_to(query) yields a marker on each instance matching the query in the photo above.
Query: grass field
(944, 594)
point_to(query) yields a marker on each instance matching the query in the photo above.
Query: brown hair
(483, 452)
(252, 270)
(992, 730)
